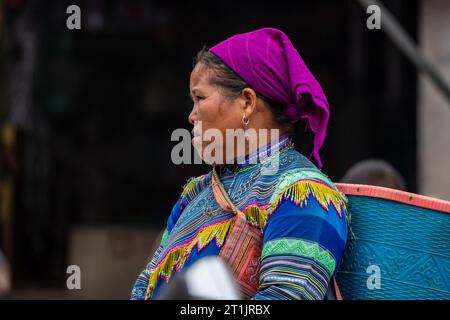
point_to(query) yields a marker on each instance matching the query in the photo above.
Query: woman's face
(212, 110)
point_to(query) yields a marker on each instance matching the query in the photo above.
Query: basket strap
(222, 197)
(337, 292)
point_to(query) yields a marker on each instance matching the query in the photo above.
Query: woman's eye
(199, 98)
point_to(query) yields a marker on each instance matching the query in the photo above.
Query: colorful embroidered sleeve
(304, 238)
(140, 286)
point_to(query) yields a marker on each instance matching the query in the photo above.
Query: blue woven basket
(406, 236)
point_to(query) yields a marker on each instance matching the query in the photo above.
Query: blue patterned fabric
(296, 271)
(404, 247)
(300, 212)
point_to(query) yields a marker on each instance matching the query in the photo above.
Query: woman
(294, 219)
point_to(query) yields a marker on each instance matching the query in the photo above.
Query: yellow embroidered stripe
(256, 215)
(190, 184)
(177, 256)
(302, 189)
(299, 193)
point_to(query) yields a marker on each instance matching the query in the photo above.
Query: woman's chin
(197, 144)
(208, 158)
(205, 158)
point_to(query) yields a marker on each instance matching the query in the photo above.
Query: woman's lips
(196, 131)
(196, 140)
(196, 136)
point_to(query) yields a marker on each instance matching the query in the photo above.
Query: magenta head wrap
(269, 63)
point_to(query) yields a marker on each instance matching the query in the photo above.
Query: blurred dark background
(89, 114)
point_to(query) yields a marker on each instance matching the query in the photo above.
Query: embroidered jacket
(302, 215)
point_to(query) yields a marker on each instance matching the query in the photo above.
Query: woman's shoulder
(299, 177)
(193, 186)
(294, 166)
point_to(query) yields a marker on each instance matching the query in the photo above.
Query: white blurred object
(207, 279)
(210, 278)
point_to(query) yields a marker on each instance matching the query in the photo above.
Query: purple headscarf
(269, 63)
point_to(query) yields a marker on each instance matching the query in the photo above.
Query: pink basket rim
(394, 195)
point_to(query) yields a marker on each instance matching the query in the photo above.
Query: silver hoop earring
(245, 121)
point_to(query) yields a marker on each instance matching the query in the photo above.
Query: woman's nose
(193, 116)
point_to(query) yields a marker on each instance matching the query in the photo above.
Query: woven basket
(405, 235)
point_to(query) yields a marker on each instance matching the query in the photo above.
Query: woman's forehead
(199, 76)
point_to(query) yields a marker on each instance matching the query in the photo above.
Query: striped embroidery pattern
(303, 248)
(164, 237)
(295, 269)
(191, 189)
(292, 277)
(140, 286)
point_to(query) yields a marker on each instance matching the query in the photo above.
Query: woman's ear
(250, 98)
